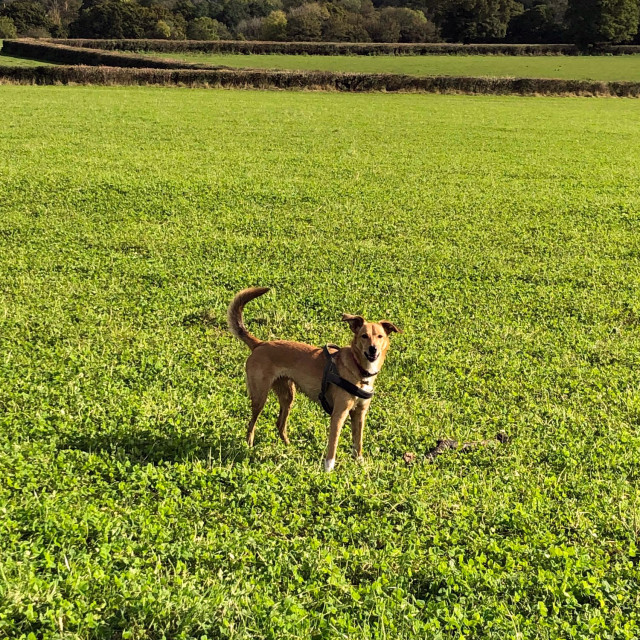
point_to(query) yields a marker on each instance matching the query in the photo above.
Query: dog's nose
(372, 350)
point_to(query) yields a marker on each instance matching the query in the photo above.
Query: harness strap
(330, 376)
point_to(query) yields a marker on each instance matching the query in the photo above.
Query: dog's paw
(329, 465)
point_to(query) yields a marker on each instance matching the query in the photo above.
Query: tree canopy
(591, 22)
(585, 22)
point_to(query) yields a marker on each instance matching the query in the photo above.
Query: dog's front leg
(339, 415)
(358, 416)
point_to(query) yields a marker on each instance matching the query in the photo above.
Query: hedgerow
(322, 80)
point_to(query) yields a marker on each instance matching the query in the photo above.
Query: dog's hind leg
(285, 389)
(258, 391)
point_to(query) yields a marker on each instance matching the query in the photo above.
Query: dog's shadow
(146, 447)
(166, 443)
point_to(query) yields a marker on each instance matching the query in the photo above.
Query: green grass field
(8, 61)
(501, 233)
(567, 67)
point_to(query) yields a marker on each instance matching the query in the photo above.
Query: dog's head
(370, 340)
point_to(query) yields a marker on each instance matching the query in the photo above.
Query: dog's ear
(389, 327)
(355, 322)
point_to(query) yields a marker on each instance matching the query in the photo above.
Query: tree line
(584, 22)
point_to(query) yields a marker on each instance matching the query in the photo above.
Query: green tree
(7, 28)
(113, 19)
(335, 27)
(399, 24)
(232, 12)
(61, 13)
(600, 21)
(344, 22)
(274, 26)
(477, 20)
(29, 17)
(168, 24)
(178, 26)
(381, 30)
(305, 22)
(206, 29)
(162, 30)
(188, 10)
(250, 29)
(535, 25)
(413, 25)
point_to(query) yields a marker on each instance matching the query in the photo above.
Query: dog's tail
(234, 315)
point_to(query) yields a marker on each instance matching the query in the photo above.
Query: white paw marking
(329, 465)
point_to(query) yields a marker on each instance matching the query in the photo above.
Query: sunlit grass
(606, 68)
(8, 61)
(500, 233)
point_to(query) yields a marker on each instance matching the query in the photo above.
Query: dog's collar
(363, 372)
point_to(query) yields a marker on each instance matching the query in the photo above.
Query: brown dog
(282, 365)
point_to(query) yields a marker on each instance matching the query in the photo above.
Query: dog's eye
(379, 336)
(365, 336)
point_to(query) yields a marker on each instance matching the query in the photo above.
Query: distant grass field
(8, 61)
(503, 236)
(609, 68)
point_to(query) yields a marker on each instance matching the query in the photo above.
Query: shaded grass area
(66, 55)
(608, 68)
(500, 233)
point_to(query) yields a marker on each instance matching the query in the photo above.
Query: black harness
(331, 376)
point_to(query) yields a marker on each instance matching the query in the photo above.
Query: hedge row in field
(341, 48)
(47, 51)
(324, 80)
